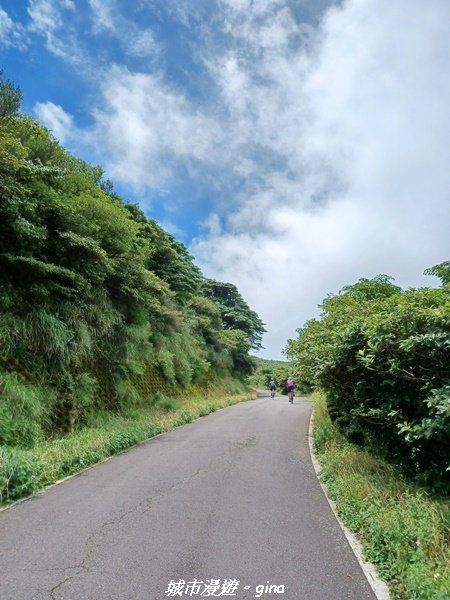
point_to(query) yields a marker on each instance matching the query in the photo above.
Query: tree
(166, 256)
(442, 270)
(234, 311)
(380, 286)
(10, 98)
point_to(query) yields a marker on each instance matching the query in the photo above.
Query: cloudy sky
(293, 145)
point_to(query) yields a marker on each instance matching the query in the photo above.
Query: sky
(294, 146)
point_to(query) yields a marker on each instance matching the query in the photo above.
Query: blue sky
(60, 52)
(293, 145)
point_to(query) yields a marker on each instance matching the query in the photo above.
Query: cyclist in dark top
(272, 387)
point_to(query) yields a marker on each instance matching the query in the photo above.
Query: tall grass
(404, 531)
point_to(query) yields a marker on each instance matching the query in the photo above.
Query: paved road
(230, 497)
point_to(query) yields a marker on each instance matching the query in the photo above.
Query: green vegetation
(403, 530)
(24, 472)
(100, 308)
(234, 311)
(265, 369)
(382, 356)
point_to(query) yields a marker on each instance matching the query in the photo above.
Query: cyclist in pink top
(290, 388)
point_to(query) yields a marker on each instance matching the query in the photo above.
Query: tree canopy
(10, 97)
(234, 311)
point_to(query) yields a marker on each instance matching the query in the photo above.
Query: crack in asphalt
(60, 584)
(91, 546)
(93, 543)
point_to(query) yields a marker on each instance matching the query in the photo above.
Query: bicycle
(291, 395)
(272, 393)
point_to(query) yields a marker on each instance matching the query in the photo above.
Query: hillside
(101, 308)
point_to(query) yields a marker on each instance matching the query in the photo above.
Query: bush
(166, 404)
(383, 358)
(164, 362)
(70, 455)
(21, 473)
(207, 409)
(76, 401)
(23, 413)
(128, 396)
(121, 440)
(184, 417)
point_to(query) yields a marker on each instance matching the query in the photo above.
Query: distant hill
(268, 363)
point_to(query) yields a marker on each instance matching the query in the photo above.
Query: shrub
(71, 454)
(168, 405)
(127, 395)
(121, 440)
(164, 362)
(23, 411)
(21, 473)
(207, 409)
(383, 358)
(184, 417)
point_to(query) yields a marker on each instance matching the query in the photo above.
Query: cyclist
(272, 387)
(290, 385)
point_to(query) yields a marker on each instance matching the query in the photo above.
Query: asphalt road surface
(229, 504)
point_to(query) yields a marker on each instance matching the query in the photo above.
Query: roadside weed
(404, 530)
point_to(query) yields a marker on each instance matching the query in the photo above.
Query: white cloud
(150, 128)
(11, 33)
(338, 138)
(103, 14)
(143, 44)
(108, 17)
(244, 8)
(52, 19)
(45, 16)
(57, 120)
(362, 125)
(267, 24)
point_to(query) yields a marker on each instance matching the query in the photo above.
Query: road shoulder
(379, 587)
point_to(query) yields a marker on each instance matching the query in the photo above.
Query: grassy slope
(403, 530)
